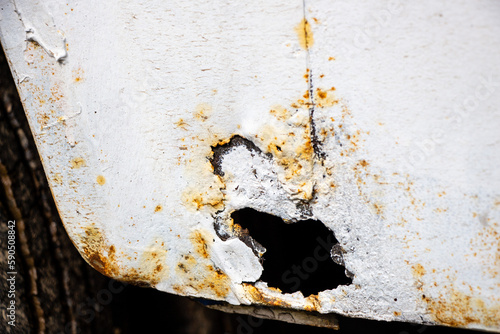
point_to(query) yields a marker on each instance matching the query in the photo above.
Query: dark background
(66, 295)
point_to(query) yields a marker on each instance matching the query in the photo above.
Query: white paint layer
(380, 119)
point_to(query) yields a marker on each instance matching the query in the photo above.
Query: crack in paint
(316, 143)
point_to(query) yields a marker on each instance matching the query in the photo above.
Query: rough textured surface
(56, 291)
(378, 119)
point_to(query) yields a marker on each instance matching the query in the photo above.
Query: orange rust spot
(305, 35)
(78, 75)
(418, 270)
(378, 207)
(324, 98)
(77, 163)
(200, 243)
(280, 112)
(363, 163)
(331, 58)
(158, 208)
(112, 251)
(203, 111)
(397, 313)
(312, 303)
(181, 124)
(261, 298)
(100, 180)
(58, 178)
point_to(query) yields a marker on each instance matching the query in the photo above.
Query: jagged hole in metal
(297, 256)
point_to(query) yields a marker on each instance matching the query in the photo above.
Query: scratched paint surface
(380, 119)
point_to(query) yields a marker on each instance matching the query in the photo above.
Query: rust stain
(488, 240)
(58, 179)
(291, 144)
(312, 303)
(378, 207)
(205, 279)
(77, 163)
(200, 200)
(181, 124)
(186, 265)
(207, 194)
(42, 118)
(100, 180)
(198, 273)
(418, 270)
(158, 208)
(55, 93)
(199, 239)
(293, 151)
(152, 268)
(457, 309)
(280, 112)
(102, 257)
(460, 310)
(97, 253)
(325, 97)
(261, 298)
(305, 35)
(78, 74)
(363, 163)
(203, 111)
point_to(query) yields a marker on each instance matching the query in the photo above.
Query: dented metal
(155, 122)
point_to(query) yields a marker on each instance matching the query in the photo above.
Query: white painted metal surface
(400, 157)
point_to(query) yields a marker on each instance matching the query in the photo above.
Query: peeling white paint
(228, 255)
(40, 28)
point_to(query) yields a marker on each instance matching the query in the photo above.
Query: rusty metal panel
(182, 140)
